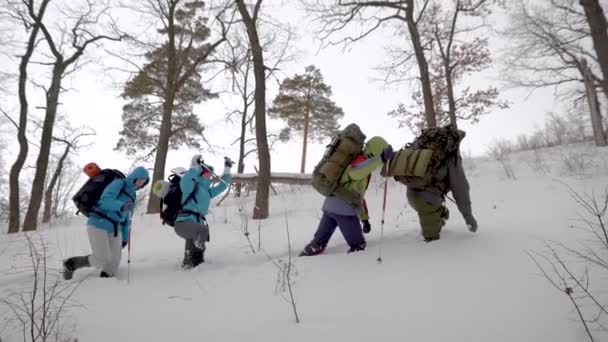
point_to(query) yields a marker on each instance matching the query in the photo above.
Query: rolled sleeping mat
(160, 188)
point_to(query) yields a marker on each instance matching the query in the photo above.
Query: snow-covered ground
(464, 287)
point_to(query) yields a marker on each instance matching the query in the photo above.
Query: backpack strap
(191, 197)
(107, 218)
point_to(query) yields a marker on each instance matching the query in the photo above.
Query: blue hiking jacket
(114, 196)
(197, 193)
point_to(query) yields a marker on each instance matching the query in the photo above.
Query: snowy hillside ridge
(464, 287)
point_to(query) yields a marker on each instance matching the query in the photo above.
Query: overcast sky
(94, 101)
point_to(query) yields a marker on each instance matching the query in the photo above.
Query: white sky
(95, 102)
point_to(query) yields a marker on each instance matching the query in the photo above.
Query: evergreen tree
(304, 103)
(159, 115)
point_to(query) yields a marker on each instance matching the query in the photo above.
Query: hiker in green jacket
(339, 212)
(426, 192)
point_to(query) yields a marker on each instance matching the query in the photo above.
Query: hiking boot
(192, 259)
(70, 265)
(104, 274)
(68, 269)
(432, 238)
(199, 244)
(312, 249)
(352, 249)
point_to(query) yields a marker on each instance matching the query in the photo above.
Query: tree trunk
(599, 33)
(42, 164)
(599, 134)
(423, 66)
(305, 140)
(162, 150)
(14, 203)
(451, 99)
(241, 163)
(260, 210)
(48, 195)
(160, 160)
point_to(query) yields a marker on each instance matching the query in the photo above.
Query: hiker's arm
(221, 186)
(108, 201)
(459, 186)
(363, 212)
(365, 168)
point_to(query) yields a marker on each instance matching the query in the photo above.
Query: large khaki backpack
(339, 153)
(417, 164)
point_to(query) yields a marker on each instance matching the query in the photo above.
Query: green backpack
(418, 163)
(339, 153)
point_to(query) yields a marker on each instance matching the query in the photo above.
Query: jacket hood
(138, 173)
(375, 146)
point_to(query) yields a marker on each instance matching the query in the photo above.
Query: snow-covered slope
(464, 287)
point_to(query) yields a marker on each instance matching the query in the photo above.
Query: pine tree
(142, 116)
(304, 103)
(160, 114)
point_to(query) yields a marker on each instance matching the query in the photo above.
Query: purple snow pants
(349, 226)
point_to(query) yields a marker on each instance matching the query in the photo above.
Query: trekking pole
(382, 223)
(129, 250)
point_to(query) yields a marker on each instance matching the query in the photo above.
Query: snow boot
(432, 238)
(312, 249)
(70, 265)
(193, 259)
(104, 274)
(352, 249)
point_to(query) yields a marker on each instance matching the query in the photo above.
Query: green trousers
(432, 217)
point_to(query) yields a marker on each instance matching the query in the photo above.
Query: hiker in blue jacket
(197, 191)
(109, 224)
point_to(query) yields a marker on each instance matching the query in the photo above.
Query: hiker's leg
(430, 215)
(101, 256)
(116, 249)
(325, 230)
(350, 226)
(187, 230)
(196, 235)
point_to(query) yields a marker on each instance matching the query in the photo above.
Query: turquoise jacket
(114, 196)
(197, 193)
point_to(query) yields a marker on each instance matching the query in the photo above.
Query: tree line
(439, 48)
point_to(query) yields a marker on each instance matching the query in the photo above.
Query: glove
(124, 243)
(196, 161)
(127, 206)
(228, 163)
(366, 226)
(471, 223)
(387, 154)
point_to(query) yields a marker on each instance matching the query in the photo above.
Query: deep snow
(464, 287)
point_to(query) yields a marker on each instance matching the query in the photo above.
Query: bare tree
(250, 20)
(277, 44)
(574, 277)
(371, 15)
(38, 310)
(21, 12)
(454, 32)
(72, 145)
(83, 33)
(599, 134)
(550, 43)
(596, 18)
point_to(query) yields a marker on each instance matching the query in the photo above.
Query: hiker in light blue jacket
(109, 224)
(197, 191)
